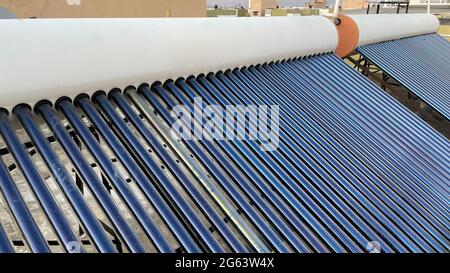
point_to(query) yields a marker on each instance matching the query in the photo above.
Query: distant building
(362, 4)
(226, 12)
(294, 11)
(104, 8)
(318, 4)
(354, 4)
(259, 7)
(425, 2)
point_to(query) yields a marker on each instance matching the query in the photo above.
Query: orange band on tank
(348, 34)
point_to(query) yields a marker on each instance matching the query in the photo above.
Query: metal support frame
(379, 3)
(370, 70)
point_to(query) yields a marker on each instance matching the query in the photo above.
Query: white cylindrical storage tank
(50, 58)
(375, 28)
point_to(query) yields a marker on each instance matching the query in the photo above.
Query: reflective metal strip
(272, 176)
(420, 64)
(123, 129)
(247, 168)
(253, 174)
(140, 126)
(260, 223)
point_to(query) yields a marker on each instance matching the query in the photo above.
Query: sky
(237, 3)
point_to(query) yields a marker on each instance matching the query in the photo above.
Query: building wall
(257, 7)
(105, 8)
(354, 4)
